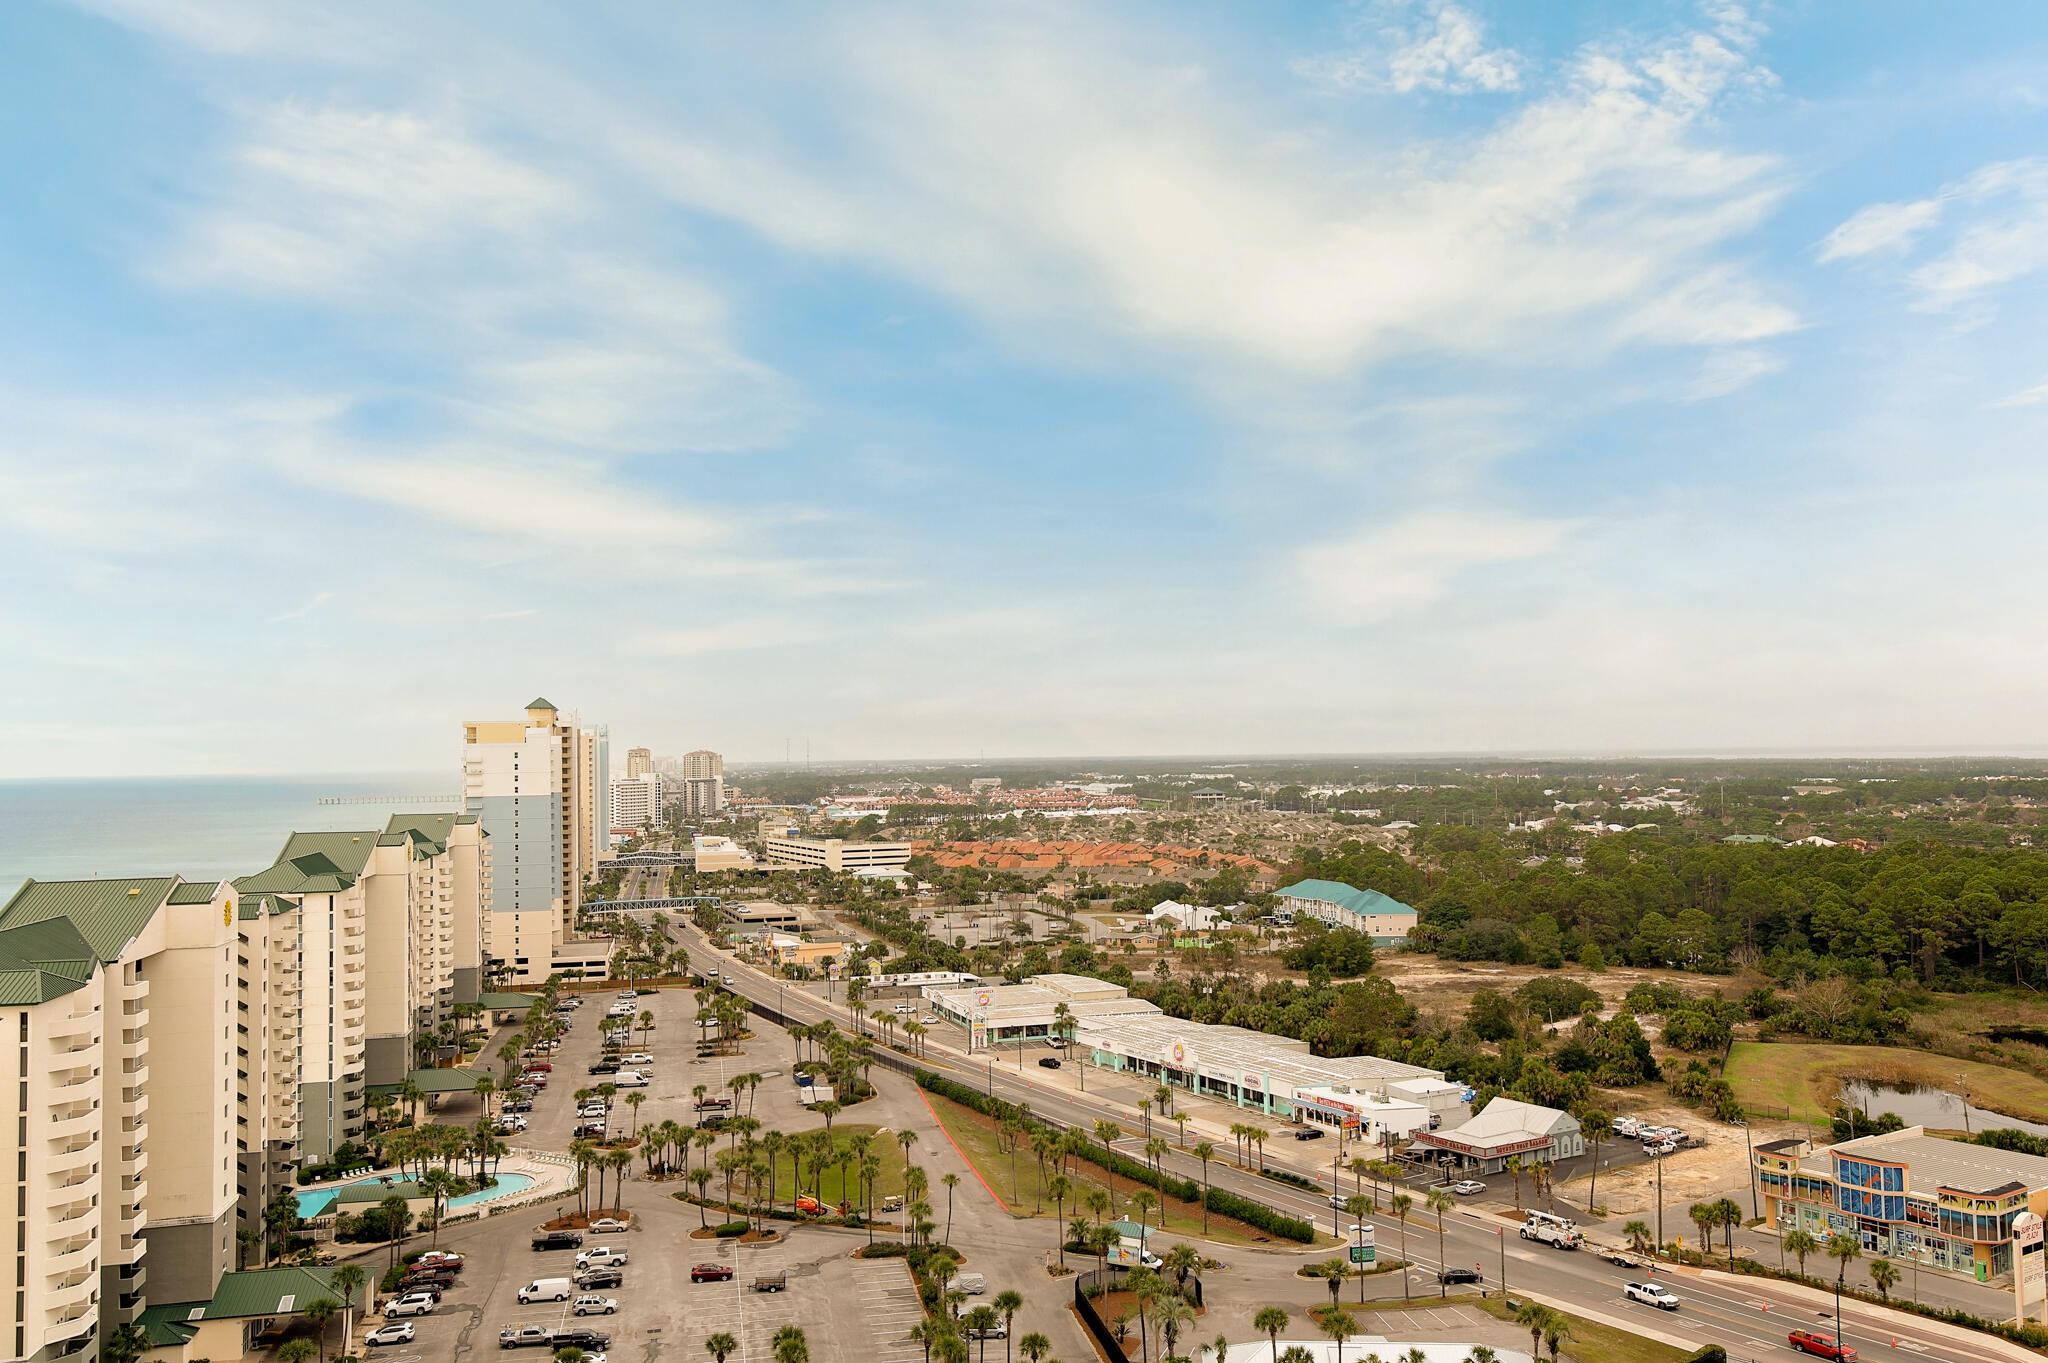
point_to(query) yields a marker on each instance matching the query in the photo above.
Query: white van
(631, 1079)
(546, 1289)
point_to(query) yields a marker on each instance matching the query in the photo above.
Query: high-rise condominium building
(639, 761)
(636, 802)
(119, 996)
(703, 795)
(356, 946)
(701, 763)
(537, 784)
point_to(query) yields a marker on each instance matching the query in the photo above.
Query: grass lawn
(1592, 1342)
(977, 1136)
(1773, 1077)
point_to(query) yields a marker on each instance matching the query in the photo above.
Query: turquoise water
(199, 827)
(508, 1184)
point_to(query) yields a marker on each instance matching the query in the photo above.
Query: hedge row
(1290, 1177)
(1137, 1171)
(1226, 1203)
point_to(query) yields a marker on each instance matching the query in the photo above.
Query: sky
(1020, 379)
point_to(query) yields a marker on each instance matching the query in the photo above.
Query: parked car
(412, 1304)
(1309, 1133)
(590, 1279)
(427, 1280)
(1466, 1187)
(602, 1254)
(526, 1337)
(545, 1289)
(541, 1066)
(519, 1105)
(596, 1129)
(1460, 1275)
(1659, 1149)
(933, 1020)
(633, 1079)
(1652, 1294)
(995, 1331)
(605, 1067)
(1048, 1062)
(582, 1337)
(593, 1305)
(399, 1333)
(1820, 1346)
(714, 1122)
(639, 1058)
(713, 1104)
(558, 1239)
(607, 1225)
(1627, 1126)
(711, 1273)
(440, 1258)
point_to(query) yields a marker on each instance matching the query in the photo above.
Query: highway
(1750, 1317)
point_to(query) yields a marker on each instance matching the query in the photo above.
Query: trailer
(771, 1282)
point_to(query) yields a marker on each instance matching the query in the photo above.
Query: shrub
(730, 1230)
(1288, 1176)
(884, 1249)
(1260, 1216)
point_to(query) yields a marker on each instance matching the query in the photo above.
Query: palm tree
(1339, 1325)
(125, 1344)
(1401, 1203)
(1480, 1353)
(1706, 1216)
(1034, 1347)
(1596, 1126)
(720, 1346)
(1534, 1317)
(295, 1351)
(1270, 1321)
(318, 1313)
(1332, 1272)
(1729, 1213)
(397, 1217)
(1842, 1248)
(906, 1138)
(1007, 1304)
(633, 1100)
(485, 1087)
(1799, 1244)
(1556, 1331)
(1174, 1315)
(1439, 1201)
(439, 1184)
(1638, 1235)
(348, 1280)
(951, 1181)
(1205, 1152)
(980, 1323)
(1884, 1275)
(1513, 1168)
(1059, 1190)
(1140, 1202)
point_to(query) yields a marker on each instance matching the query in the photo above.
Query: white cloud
(2026, 397)
(1726, 371)
(2001, 232)
(301, 612)
(1391, 570)
(1890, 227)
(1444, 51)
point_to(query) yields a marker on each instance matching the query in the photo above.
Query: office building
(1908, 1196)
(833, 854)
(721, 854)
(703, 796)
(121, 998)
(533, 783)
(636, 802)
(639, 762)
(701, 763)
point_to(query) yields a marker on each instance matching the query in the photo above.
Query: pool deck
(551, 1179)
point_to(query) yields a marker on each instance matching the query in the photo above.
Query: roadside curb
(1627, 1326)
(1875, 1318)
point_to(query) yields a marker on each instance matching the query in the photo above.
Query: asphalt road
(1749, 1317)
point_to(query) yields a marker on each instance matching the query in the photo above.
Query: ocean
(199, 827)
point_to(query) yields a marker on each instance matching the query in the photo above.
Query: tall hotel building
(539, 785)
(119, 996)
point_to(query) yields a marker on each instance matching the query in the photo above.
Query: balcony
(133, 1158)
(134, 1187)
(74, 1299)
(74, 1077)
(134, 1012)
(60, 1179)
(136, 1043)
(135, 1066)
(63, 1214)
(135, 1100)
(71, 1251)
(74, 1119)
(66, 1031)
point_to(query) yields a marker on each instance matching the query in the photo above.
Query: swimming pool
(508, 1185)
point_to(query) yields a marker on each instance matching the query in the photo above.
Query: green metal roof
(256, 904)
(431, 829)
(407, 1188)
(496, 1001)
(104, 912)
(315, 863)
(194, 892)
(166, 1325)
(1344, 896)
(540, 703)
(447, 1081)
(271, 1292)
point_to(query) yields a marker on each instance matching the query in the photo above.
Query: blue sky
(1028, 379)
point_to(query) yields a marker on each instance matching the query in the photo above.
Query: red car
(1820, 1346)
(710, 1273)
(541, 1066)
(441, 1259)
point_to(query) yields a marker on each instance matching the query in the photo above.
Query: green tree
(1270, 1321)
(721, 1346)
(318, 1313)
(1799, 1244)
(1339, 1325)
(348, 1280)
